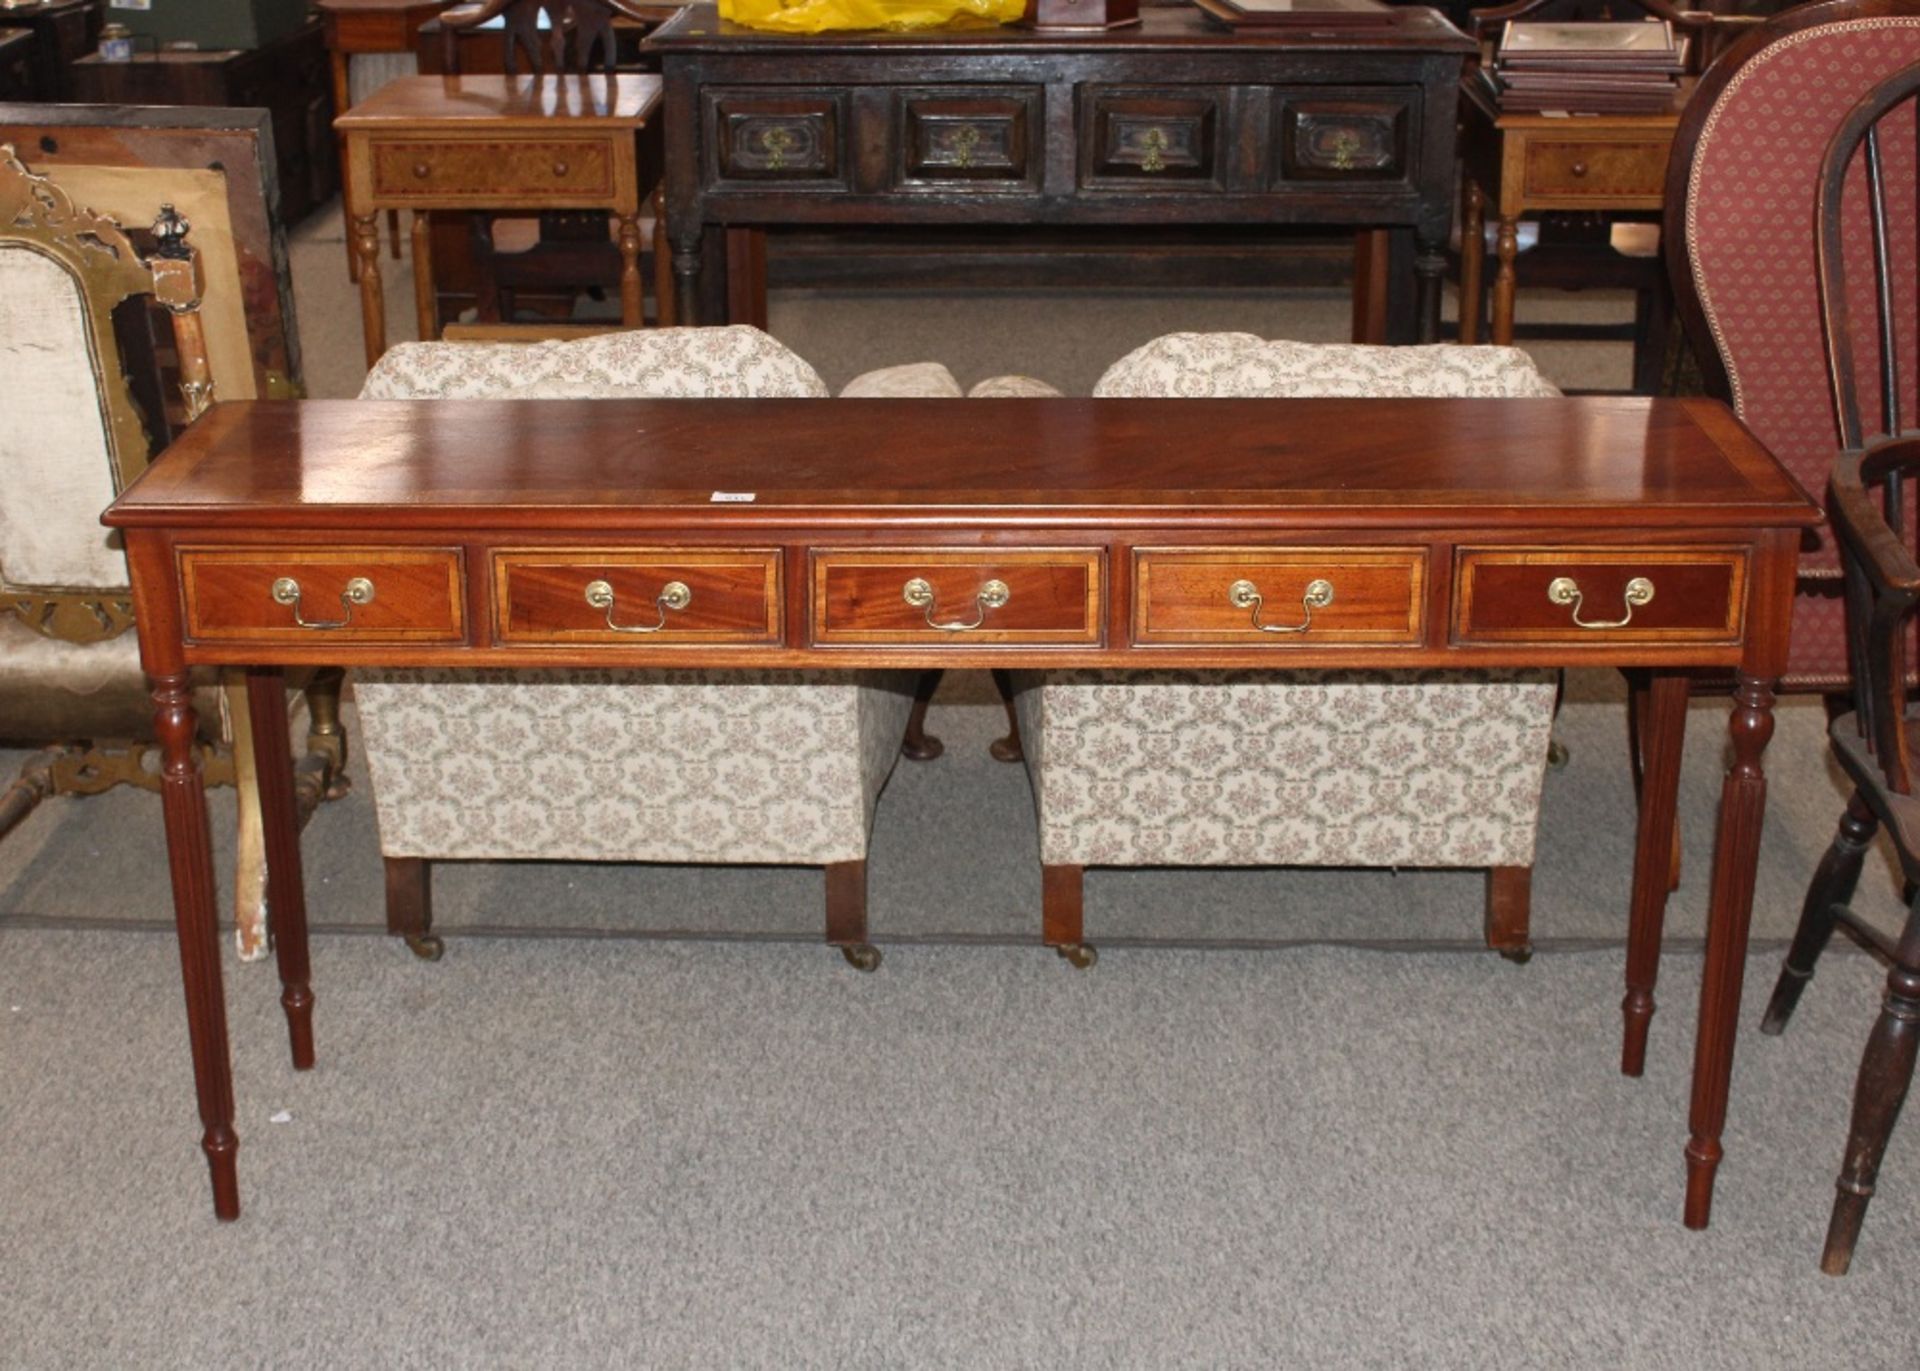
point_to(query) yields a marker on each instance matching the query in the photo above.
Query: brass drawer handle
(673, 596)
(422, 170)
(1246, 595)
(1564, 590)
(777, 142)
(1154, 143)
(359, 591)
(965, 139)
(992, 595)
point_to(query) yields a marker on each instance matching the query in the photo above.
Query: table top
(699, 28)
(626, 99)
(1016, 463)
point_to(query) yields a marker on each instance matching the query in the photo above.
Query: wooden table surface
(1457, 533)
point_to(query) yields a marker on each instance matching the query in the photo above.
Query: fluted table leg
(286, 890)
(1663, 734)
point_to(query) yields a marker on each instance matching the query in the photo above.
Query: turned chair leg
(410, 906)
(1833, 884)
(326, 738)
(1509, 925)
(1062, 914)
(847, 914)
(919, 745)
(251, 937)
(1007, 749)
(1886, 1070)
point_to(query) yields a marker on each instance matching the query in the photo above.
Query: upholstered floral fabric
(1240, 365)
(1011, 387)
(657, 363)
(931, 380)
(641, 766)
(1749, 215)
(1319, 768)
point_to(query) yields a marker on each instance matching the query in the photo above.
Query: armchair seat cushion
(1307, 768)
(1242, 366)
(637, 766)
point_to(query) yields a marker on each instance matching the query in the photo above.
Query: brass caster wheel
(1557, 755)
(862, 956)
(1519, 956)
(1082, 955)
(427, 946)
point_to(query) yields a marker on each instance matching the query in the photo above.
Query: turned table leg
(631, 306)
(373, 303)
(286, 888)
(196, 915)
(1743, 802)
(1662, 733)
(1506, 248)
(1473, 255)
(426, 298)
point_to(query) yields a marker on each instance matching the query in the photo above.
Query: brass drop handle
(359, 591)
(422, 170)
(1564, 590)
(1578, 168)
(965, 139)
(559, 167)
(674, 595)
(1154, 143)
(992, 595)
(778, 141)
(1246, 595)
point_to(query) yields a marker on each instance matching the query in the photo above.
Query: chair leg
(1886, 1070)
(29, 788)
(1509, 912)
(410, 906)
(251, 937)
(919, 745)
(847, 914)
(326, 738)
(1832, 887)
(1006, 749)
(1062, 913)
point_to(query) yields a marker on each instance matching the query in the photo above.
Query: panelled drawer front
(490, 170)
(961, 138)
(1605, 170)
(1044, 597)
(346, 594)
(1360, 136)
(639, 596)
(1597, 595)
(1140, 137)
(1279, 597)
(776, 137)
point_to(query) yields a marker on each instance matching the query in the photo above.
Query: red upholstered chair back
(1739, 239)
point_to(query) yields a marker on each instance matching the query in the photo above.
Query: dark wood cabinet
(1179, 123)
(289, 78)
(61, 33)
(18, 71)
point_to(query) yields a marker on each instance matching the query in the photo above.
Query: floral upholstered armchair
(1305, 768)
(780, 767)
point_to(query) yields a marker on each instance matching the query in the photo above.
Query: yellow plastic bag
(818, 16)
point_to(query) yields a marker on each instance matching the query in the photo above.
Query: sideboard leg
(847, 914)
(631, 306)
(1429, 270)
(1660, 708)
(286, 886)
(1743, 802)
(196, 915)
(688, 310)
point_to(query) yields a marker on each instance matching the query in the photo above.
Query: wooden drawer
(775, 136)
(1051, 597)
(1566, 170)
(382, 595)
(657, 596)
(1279, 597)
(1140, 138)
(543, 171)
(964, 138)
(1359, 137)
(1600, 595)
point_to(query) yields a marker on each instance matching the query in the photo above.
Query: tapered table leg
(286, 890)
(196, 915)
(1662, 732)
(1736, 853)
(364, 232)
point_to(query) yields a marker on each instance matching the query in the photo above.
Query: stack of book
(1588, 68)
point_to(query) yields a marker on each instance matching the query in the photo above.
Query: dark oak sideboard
(1179, 121)
(403, 529)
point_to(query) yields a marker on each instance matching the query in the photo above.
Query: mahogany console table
(1179, 121)
(1554, 532)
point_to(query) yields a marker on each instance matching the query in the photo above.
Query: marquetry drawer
(340, 594)
(636, 596)
(1142, 138)
(1359, 137)
(957, 599)
(963, 138)
(492, 170)
(1279, 597)
(1626, 170)
(776, 136)
(1600, 595)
